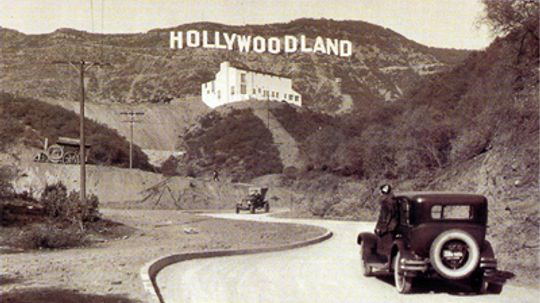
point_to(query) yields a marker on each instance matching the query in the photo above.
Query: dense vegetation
(236, 144)
(29, 121)
(57, 219)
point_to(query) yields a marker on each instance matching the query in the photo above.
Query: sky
(440, 23)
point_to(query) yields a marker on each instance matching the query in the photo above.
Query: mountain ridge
(383, 66)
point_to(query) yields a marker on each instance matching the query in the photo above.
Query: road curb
(150, 270)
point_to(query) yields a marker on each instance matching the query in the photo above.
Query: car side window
(436, 212)
(451, 212)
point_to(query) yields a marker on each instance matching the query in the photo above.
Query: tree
(506, 16)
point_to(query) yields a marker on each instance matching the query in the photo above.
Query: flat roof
(442, 196)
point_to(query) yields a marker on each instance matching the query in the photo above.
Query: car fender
(399, 245)
(367, 237)
(487, 250)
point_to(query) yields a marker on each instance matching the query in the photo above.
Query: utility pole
(82, 66)
(131, 122)
(268, 109)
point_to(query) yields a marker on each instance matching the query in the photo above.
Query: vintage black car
(256, 199)
(440, 235)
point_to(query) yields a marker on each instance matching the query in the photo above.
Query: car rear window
(451, 212)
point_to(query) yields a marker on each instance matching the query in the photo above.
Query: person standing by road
(388, 219)
(216, 175)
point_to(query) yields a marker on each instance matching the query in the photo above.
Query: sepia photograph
(229, 151)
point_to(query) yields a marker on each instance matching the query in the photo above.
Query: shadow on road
(426, 286)
(56, 295)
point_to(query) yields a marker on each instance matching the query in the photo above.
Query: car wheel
(454, 254)
(367, 271)
(402, 282)
(237, 209)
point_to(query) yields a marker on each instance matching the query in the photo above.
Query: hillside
(383, 66)
(26, 122)
(472, 128)
(157, 129)
(234, 142)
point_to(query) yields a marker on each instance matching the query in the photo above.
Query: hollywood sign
(259, 44)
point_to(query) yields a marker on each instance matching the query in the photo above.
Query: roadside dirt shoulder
(108, 271)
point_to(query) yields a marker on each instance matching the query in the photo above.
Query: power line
(131, 121)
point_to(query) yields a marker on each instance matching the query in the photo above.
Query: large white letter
(332, 46)
(291, 44)
(217, 41)
(259, 44)
(175, 37)
(243, 43)
(193, 39)
(205, 41)
(303, 47)
(274, 45)
(345, 48)
(319, 46)
(229, 40)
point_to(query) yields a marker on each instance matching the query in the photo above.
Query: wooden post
(82, 193)
(81, 66)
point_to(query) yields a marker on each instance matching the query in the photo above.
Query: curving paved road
(325, 272)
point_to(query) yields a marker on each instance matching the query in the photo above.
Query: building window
(243, 89)
(259, 90)
(277, 94)
(232, 90)
(243, 78)
(291, 97)
(254, 91)
(219, 94)
(265, 93)
(285, 96)
(296, 98)
(213, 87)
(273, 94)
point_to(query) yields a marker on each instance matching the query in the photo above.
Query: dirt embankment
(109, 271)
(133, 188)
(157, 130)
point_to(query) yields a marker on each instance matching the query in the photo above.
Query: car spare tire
(454, 254)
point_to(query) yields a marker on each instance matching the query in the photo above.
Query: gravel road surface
(324, 272)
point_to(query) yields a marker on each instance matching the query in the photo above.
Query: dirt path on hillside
(289, 152)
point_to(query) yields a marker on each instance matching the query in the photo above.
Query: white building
(234, 84)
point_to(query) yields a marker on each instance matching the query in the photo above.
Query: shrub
(169, 167)
(49, 236)
(6, 189)
(58, 204)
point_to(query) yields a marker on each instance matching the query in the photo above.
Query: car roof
(446, 197)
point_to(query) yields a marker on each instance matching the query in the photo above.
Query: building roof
(447, 197)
